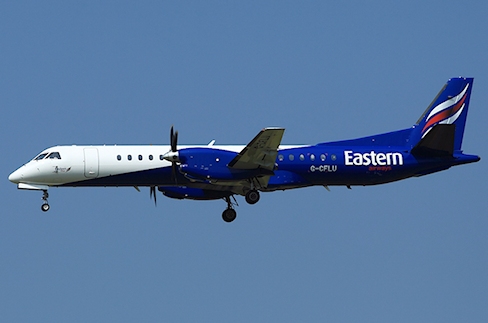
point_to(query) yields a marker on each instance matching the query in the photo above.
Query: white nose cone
(16, 176)
(172, 156)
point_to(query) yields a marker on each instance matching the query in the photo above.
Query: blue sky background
(124, 72)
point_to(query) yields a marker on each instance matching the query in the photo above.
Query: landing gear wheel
(229, 215)
(252, 197)
(45, 207)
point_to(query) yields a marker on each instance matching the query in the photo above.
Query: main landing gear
(45, 206)
(252, 197)
(229, 214)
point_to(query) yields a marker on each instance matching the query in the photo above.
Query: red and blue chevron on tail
(450, 107)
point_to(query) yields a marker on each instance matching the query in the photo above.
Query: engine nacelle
(209, 164)
(183, 192)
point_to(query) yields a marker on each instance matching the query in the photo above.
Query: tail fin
(440, 129)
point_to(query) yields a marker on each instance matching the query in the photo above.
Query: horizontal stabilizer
(438, 142)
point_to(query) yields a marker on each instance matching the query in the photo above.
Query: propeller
(173, 155)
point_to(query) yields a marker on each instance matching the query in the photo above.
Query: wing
(261, 152)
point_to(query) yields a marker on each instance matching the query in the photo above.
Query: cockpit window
(54, 155)
(41, 156)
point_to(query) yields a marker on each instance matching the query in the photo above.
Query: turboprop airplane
(213, 171)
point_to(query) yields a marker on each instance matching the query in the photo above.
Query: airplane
(211, 172)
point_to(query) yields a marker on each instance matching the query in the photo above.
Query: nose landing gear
(45, 206)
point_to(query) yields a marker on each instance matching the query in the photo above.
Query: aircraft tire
(229, 215)
(252, 197)
(45, 207)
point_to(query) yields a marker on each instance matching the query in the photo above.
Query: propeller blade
(173, 139)
(173, 172)
(176, 140)
(152, 194)
(173, 136)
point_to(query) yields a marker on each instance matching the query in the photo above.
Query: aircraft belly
(147, 177)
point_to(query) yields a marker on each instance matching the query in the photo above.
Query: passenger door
(91, 162)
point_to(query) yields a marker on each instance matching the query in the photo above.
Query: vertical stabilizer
(450, 107)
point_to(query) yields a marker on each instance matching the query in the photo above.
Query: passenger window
(129, 157)
(150, 157)
(140, 157)
(54, 155)
(119, 157)
(291, 157)
(302, 157)
(280, 158)
(312, 157)
(161, 157)
(323, 157)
